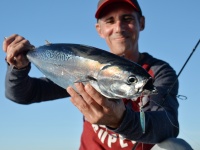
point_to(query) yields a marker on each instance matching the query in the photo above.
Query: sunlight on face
(120, 28)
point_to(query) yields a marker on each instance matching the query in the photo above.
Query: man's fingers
(100, 99)
(88, 99)
(15, 40)
(7, 41)
(16, 48)
(77, 100)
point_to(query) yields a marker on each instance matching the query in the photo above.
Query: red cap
(103, 3)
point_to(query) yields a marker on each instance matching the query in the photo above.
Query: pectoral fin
(85, 79)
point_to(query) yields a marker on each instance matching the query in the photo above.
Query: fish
(113, 76)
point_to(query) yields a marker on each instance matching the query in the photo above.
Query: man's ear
(142, 23)
(98, 28)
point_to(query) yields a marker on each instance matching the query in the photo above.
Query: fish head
(125, 81)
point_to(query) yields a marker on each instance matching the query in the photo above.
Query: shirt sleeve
(23, 89)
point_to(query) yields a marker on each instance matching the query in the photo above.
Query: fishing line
(165, 113)
(169, 90)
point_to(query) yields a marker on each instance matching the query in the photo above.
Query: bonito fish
(111, 75)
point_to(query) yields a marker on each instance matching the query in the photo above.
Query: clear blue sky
(172, 30)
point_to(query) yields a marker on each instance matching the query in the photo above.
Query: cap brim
(107, 2)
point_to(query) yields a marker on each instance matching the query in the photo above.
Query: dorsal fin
(47, 42)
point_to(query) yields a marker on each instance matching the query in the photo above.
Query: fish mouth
(149, 88)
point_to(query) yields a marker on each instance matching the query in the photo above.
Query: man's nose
(119, 26)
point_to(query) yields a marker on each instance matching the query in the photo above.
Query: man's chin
(119, 52)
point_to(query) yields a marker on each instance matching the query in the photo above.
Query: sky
(171, 32)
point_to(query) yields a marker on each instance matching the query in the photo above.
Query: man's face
(120, 27)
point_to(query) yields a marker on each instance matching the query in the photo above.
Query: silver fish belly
(113, 76)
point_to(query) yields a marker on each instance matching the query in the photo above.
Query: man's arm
(162, 119)
(21, 88)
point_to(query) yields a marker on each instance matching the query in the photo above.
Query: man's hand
(16, 48)
(96, 108)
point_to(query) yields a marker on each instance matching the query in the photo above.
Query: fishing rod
(170, 89)
(142, 120)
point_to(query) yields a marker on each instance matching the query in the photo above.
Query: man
(107, 124)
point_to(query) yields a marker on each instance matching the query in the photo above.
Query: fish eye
(132, 79)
